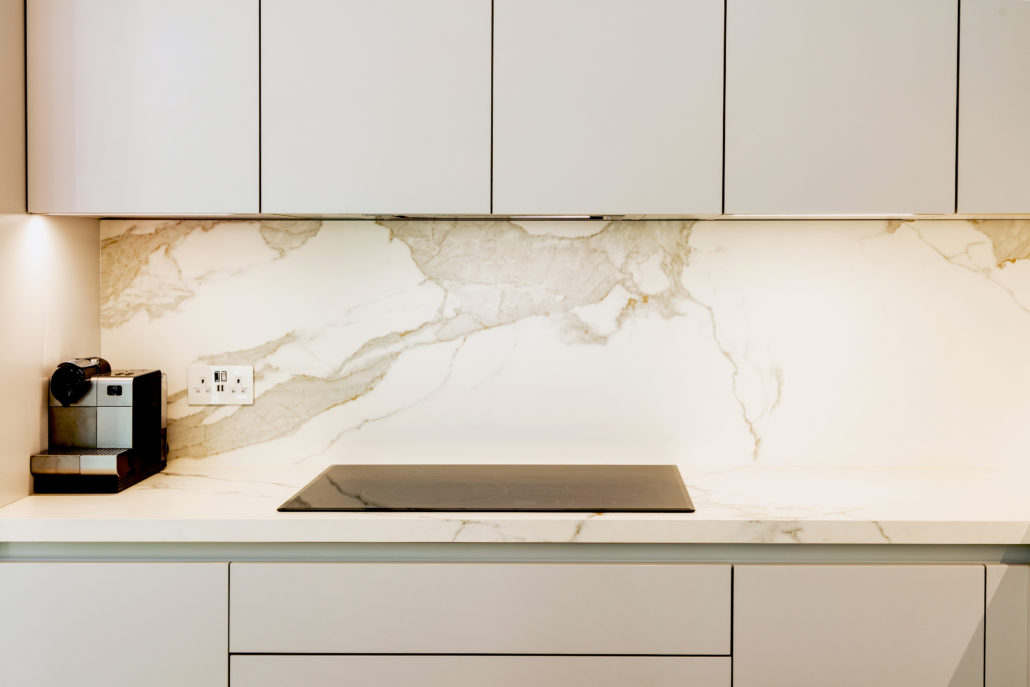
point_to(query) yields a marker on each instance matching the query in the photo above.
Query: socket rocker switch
(220, 385)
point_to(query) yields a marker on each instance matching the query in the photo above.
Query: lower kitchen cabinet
(476, 671)
(858, 625)
(1007, 617)
(480, 608)
(113, 624)
(165, 624)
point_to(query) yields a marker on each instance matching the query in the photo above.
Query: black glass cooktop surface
(484, 488)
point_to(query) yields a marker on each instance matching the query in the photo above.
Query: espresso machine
(107, 429)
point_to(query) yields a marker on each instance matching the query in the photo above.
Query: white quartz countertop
(194, 502)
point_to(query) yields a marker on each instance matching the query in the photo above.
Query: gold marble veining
(282, 409)
(288, 235)
(359, 324)
(492, 274)
(498, 272)
(1010, 238)
(125, 254)
(123, 257)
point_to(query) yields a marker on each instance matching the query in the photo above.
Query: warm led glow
(37, 245)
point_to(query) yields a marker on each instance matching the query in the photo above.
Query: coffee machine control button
(114, 390)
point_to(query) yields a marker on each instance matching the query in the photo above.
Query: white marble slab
(194, 501)
(724, 343)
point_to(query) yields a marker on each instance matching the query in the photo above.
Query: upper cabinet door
(994, 108)
(375, 107)
(608, 106)
(841, 106)
(143, 106)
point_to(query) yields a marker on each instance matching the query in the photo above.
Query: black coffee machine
(107, 429)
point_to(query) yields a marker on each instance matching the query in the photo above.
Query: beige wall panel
(49, 310)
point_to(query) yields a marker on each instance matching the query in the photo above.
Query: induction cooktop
(485, 488)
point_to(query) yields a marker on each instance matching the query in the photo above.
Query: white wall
(49, 281)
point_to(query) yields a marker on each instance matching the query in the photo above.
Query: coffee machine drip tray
(80, 461)
(499, 488)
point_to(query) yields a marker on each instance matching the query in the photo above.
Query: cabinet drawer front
(473, 608)
(474, 671)
(858, 625)
(113, 624)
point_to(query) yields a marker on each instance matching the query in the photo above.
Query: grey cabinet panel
(113, 624)
(608, 106)
(476, 608)
(840, 106)
(476, 671)
(994, 107)
(1008, 625)
(143, 106)
(858, 625)
(375, 107)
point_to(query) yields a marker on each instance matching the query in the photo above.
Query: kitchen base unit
(480, 608)
(474, 671)
(254, 615)
(113, 624)
(852, 625)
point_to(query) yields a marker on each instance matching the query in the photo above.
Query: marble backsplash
(707, 343)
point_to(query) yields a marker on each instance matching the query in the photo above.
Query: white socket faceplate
(220, 385)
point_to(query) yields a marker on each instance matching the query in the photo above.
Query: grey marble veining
(726, 343)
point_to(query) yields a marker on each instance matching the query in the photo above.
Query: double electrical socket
(220, 385)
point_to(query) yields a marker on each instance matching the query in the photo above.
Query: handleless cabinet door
(608, 106)
(375, 106)
(477, 671)
(994, 107)
(143, 106)
(841, 106)
(1007, 624)
(114, 624)
(480, 608)
(858, 625)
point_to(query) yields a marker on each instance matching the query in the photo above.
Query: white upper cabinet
(841, 106)
(375, 107)
(143, 106)
(608, 106)
(994, 107)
